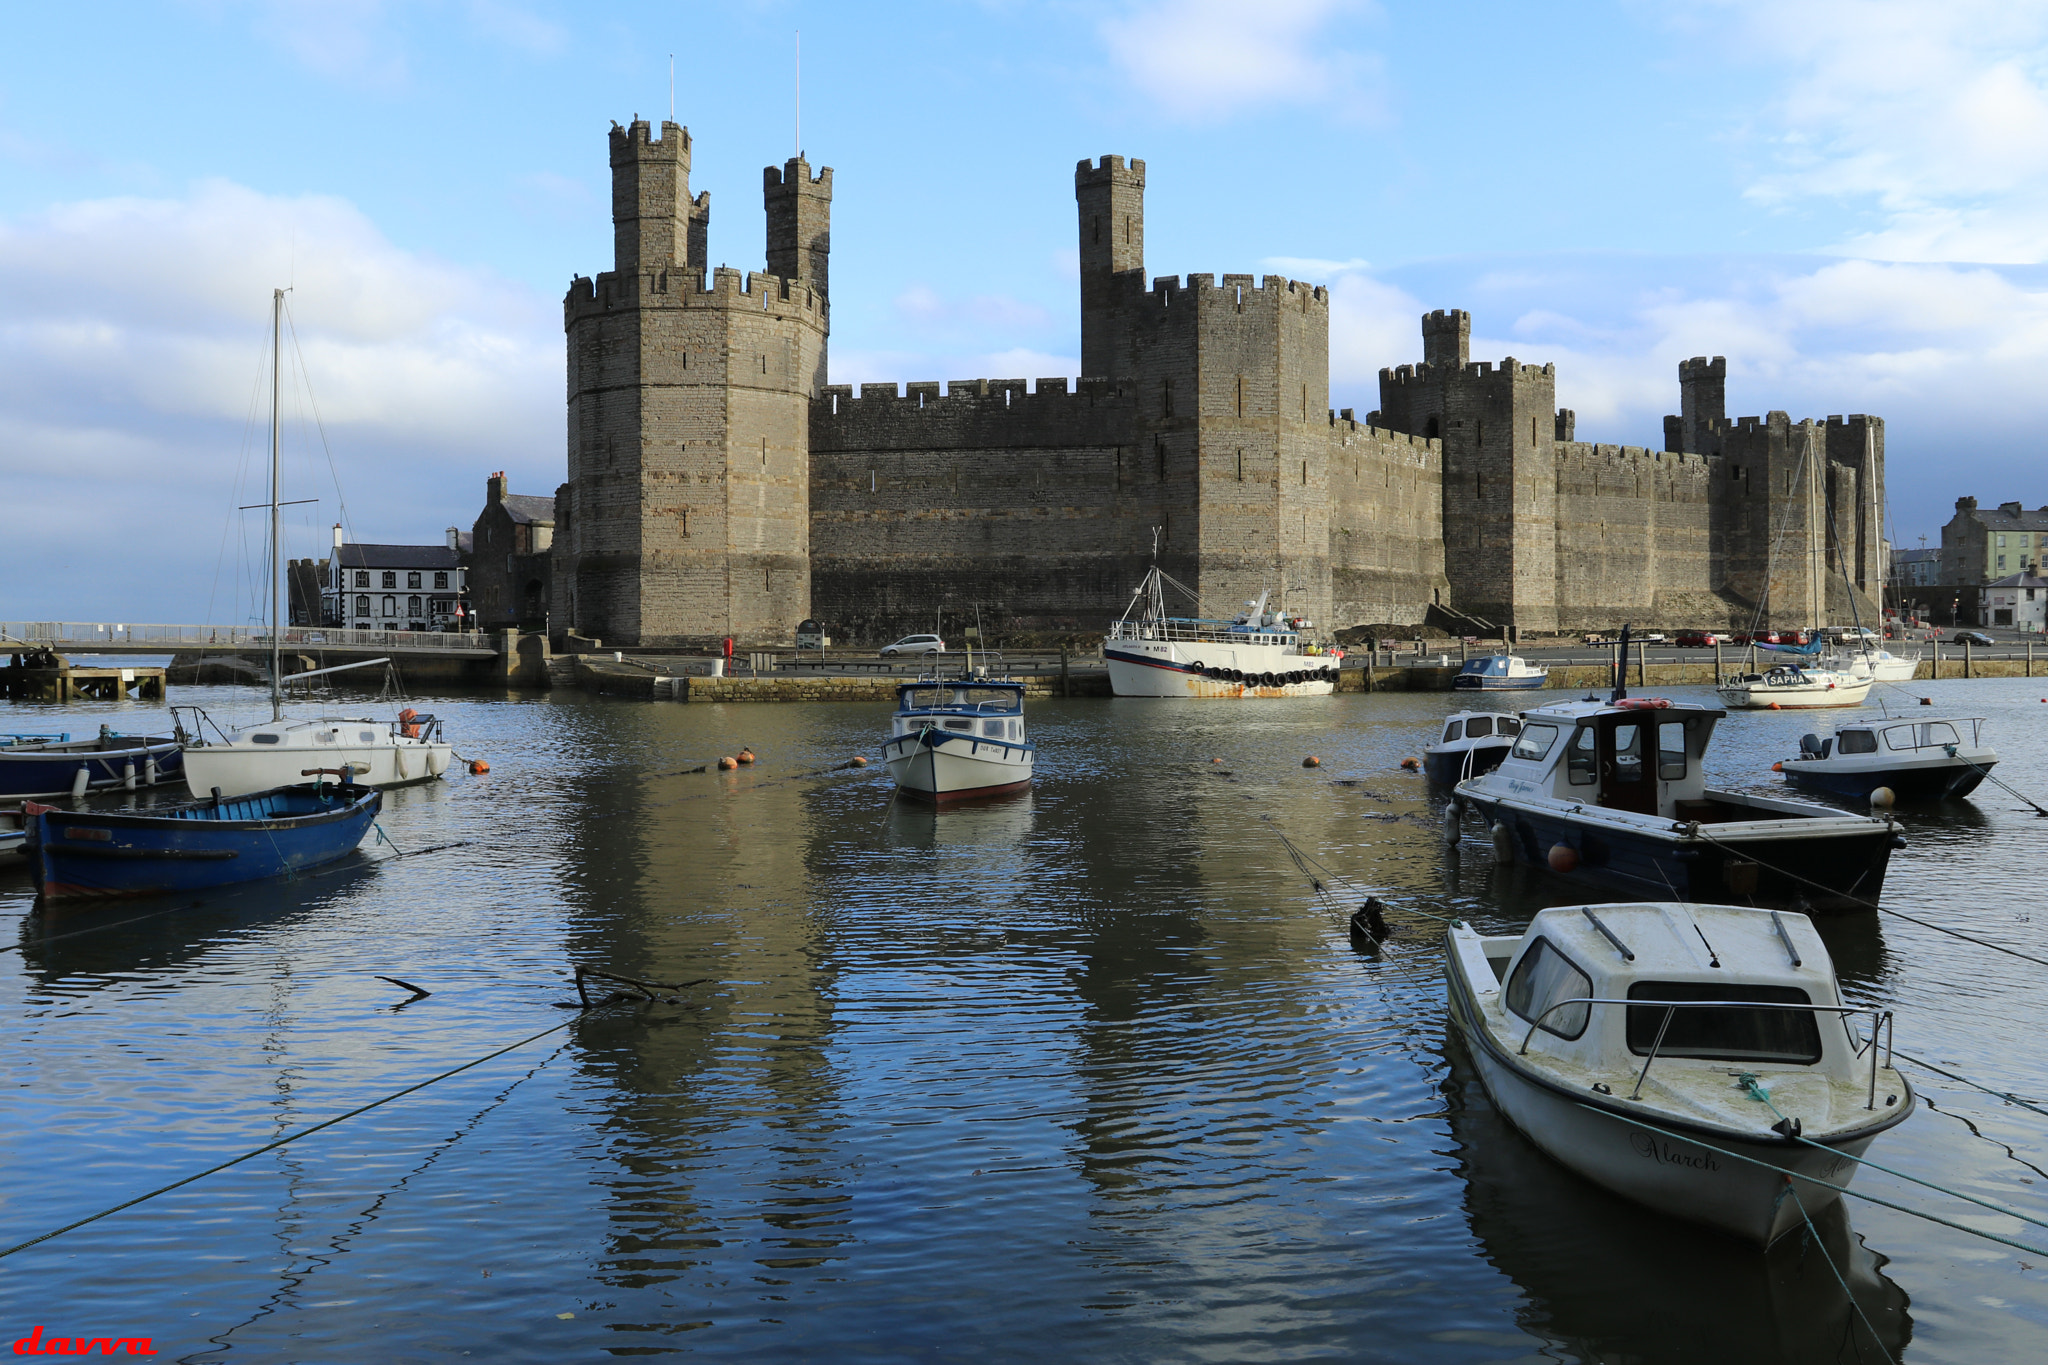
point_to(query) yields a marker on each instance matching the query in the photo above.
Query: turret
(799, 221)
(1111, 198)
(655, 224)
(1702, 402)
(1447, 337)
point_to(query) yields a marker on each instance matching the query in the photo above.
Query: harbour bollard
(80, 782)
(1503, 843)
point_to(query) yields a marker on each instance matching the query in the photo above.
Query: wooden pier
(66, 683)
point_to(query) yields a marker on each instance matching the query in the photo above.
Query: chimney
(337, 535)
(455, 540)
(494, 487)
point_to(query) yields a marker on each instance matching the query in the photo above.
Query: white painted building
(2019, 601)
(396, 587)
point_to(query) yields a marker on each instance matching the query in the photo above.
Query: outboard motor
(1809, 746)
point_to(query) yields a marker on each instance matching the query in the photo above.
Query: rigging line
(284, 1141)
(1812, 1180)
(312, 399)
(241, 472)
(1873, 905)
(1822, 1247)
(2005, 1095)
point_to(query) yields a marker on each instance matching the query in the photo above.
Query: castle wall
(1635, 538)
(1385, 525)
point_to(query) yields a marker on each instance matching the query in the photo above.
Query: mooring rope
(1821, 1246)
(2005, 1095)
(1321, 876)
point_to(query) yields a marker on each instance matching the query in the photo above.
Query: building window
(363, 601)
(390, 604)
(2001, 561)
(2001, 542)
(390, 579)
(440, 580)
(412, 580)
(412, 605)
(363, 579)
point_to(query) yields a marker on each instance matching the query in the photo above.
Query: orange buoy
(477, 765)
(1563, 857)
(1927, 701)
(727, 762)
(1218, 760)
(1311, 762)
(859, 761)
(746, 755)
(1776, 707)
(1777, 767)
(1411, 764)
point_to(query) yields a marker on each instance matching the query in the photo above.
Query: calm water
(1090, 1074)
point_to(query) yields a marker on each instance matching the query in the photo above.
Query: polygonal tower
(686, 517)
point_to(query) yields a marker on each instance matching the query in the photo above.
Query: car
(914, 644)
(1972, 637)
(1849, 635)
(1698, 639)
(1648, 637)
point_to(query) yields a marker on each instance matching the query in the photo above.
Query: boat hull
(1777, 865)
(1915, 782)
(1449, 767)
(238, 769)
(1806, 696)
(1185, 668)
(96, 854)
(1472, 682)
(944, 768)
(1689, 1175)
(28, 772)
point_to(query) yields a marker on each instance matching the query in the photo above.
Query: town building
(2018, 601)
(1916, 568)
(395, 587)
(511, 572)
(1979, 546)
(720, 486)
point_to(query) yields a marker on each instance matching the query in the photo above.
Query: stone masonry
(720, 486)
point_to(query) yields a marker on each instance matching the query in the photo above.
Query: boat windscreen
(1731, 1034)
(1855, 742)
(1535, 741)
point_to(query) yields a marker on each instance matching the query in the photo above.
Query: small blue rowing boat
(54, 765)
(198, 844)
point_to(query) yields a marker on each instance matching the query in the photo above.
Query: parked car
(914, 644)
(1849, 635)
(1698, 639)
(1972, 637)
(1647, 637)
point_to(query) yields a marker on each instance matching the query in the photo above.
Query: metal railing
(84, 636)
(1881, 1021)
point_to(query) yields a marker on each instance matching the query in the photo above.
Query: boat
(1880, 665)
(196, 845)
(1614, 794)
(272, 754)
(1499, 673)
(956, 738)
(1790, 687)
(1260, 654)
(13, 831)
(57, 765)
(1473, 742)
(1926, 759)
(1690, 1058)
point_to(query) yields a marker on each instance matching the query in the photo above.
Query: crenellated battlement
(1111, 169)
(1585, 454)
(772, 177)
(1425, 373)
(753, 291)
(1270, 291)
(839, 402)
(637, 140)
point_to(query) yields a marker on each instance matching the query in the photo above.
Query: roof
(1916, 556)
(2018, 580)
(1998, 519)
(465, 542)
(1685, 942)
(358, 556)
(527, 509)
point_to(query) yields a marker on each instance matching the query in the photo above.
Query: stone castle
(720, 486)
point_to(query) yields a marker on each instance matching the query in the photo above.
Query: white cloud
(1934, 116)
(132, 360)
(1204, 60)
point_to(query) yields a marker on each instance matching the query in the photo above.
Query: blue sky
(1846, 200)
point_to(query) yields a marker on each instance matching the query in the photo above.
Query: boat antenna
(1620, 669)
(276, 576)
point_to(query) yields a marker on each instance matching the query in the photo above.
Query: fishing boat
(1472, 742)
(198, 844)
(1791, 687)
(956, 738)
(1913, 760)
(1614, 794)
(271, 754)
(56, 765)
(1499, 673)
(1688, 1057)
(1260, 654)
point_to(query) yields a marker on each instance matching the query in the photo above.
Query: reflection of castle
(718, 485)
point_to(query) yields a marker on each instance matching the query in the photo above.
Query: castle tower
(686, 517)
(1702, 407)
(799, 222)
(1447, 337)
(1111, 199)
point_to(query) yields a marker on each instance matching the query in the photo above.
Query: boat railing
(1195, 631)
(933, 663)
(195, 732)
(1881, 1022)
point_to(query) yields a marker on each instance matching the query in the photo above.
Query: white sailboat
(281, 752)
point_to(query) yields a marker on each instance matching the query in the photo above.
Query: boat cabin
(984, 709)
(1645, 755)
(1479, 725)
(1897, 738)
(1573, 956)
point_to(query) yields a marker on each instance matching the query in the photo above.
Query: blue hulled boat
(198, 844)
(49, 765)
(1499, 673)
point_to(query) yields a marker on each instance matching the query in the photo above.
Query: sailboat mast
(276, 574)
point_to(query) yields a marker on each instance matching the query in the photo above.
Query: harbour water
(1087, 1074)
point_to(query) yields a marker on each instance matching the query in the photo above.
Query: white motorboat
(1923, 759)
(1499, 673)
(280, 753)
(1697, 1059)
(953, 738)
(1260, 654)
(1880, 665)
(1472, 743)
(1790, 687)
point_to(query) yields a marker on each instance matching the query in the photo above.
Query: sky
(1847, 200)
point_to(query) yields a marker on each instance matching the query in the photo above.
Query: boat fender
(80, 782)
(1776, 707)
(1269, 680)
(1777, 767)
(1453, 818)
(1898, 841)
(1883, 797)
(1369, 924)
(1200, 667)
(1503, 843)
(1563, 858)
